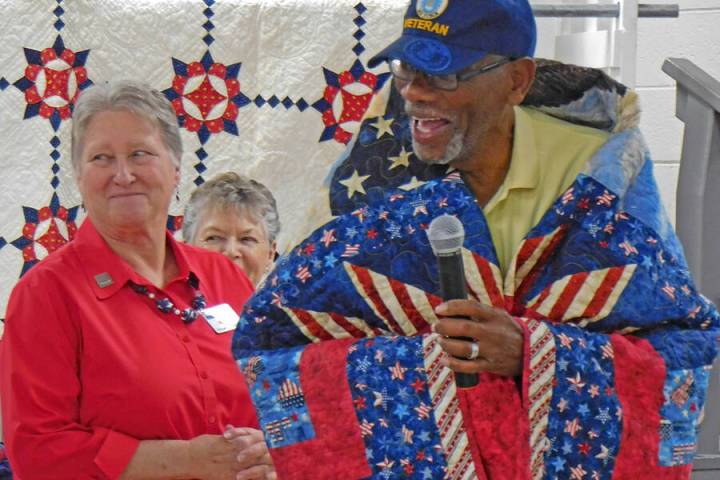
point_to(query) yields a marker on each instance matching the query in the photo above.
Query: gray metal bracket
(698, 220)
(605, 11)
(698, 193)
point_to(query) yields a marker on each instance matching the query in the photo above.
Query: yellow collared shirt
(547, 156)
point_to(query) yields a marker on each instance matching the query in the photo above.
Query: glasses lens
(402, 70)
(444, 82)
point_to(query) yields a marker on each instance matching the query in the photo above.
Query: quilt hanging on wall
(272, 89)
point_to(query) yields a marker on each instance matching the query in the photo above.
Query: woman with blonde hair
(237, 217)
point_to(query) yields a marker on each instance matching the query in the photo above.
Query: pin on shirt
(103, 280)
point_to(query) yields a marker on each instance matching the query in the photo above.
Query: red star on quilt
(45, 230)
(345, 100)
(53, 79)
(206, 96)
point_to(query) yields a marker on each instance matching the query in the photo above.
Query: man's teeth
(428, 124)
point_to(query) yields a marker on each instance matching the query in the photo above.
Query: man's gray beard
(452, 151)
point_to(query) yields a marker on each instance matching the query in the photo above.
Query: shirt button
(211, 419)
(203, 375)
(185, 338)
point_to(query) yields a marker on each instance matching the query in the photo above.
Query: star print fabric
(394, 409)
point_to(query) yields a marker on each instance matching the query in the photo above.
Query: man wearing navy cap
(450, 57)
(591, 343)
(463, 67)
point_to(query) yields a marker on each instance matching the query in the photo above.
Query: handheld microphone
(446, 235)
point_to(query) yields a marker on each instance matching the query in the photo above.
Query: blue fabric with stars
(284, 418)
(586, 421)
(390, 239)
(623, 240)
(389, 390)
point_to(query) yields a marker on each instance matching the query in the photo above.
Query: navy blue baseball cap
(446, 36)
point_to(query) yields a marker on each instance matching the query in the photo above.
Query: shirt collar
(107, 272)
(524, 164)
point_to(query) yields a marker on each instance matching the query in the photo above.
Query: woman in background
(237, 217)
(115, 361)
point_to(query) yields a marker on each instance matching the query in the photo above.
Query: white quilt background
(288, 49)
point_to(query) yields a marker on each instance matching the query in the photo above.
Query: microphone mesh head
(446, 234)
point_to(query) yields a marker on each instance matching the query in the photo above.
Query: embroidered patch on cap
(430, 9)
(429, 55)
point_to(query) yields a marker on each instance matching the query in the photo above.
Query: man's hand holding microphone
(478, 338)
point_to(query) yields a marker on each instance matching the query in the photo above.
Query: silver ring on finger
(474, 351)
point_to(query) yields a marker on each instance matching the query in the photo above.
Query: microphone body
(446, 235)
(452, 276)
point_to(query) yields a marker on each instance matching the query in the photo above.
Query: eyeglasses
(405, 73)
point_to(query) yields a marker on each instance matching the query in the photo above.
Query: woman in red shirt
(116, 353)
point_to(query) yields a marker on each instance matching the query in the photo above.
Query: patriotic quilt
(343, 368)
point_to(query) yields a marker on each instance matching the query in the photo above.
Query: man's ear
(522, 75)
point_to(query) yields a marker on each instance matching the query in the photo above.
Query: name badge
(222, 318)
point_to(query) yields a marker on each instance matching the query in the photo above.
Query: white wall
(695, 35)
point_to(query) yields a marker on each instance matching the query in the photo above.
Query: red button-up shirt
(87, 371)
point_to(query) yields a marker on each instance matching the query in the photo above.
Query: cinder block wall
(695, 35)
